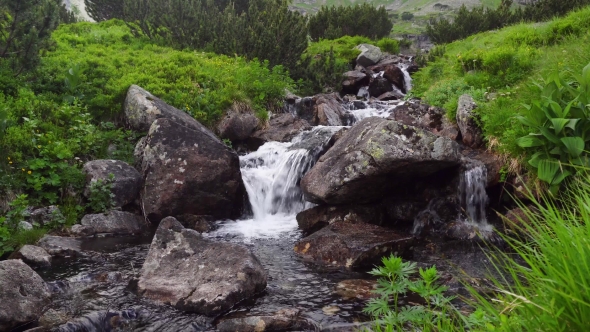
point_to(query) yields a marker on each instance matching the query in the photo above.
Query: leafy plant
(72, 81)
(101, 198)
(436, 312)
(17, 210)
(560, 121)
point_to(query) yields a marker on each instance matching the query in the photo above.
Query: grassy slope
(503, 64)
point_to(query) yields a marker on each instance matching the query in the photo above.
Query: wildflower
(8, 158)
(10, 162)
(39, 146)
(23, 169)
(29, 172)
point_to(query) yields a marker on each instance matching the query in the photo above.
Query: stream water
(99, 287)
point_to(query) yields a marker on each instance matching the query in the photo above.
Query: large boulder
(142, 109)
(370, 55)
(374, 158)
(23, 294)
(125, 183)
(187, 172)
(238, 125)
(328, 110)
(418, 114)
(281, 128)
(195, 274)
(33, 255)
(468, 122)
(113, 222)
(351, 245)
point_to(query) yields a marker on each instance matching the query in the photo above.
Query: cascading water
(473, 197)
(407, 77)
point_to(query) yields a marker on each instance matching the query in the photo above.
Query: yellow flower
(23, 169)
(10, 162)
(29, 172)
(8, 158)
(39, 146)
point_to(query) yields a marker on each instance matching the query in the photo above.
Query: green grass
(548, 288)
(504, 64)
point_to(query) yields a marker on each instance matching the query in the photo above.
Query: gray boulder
(238, 126)
(198, 275)
(33, 255)
(351, 245)
(328, 110)
(187, 172)
(370, 55)
(353, 80)
(379, 86)
(113, 222)
(60, 246)
(45, 215)
(374, 158)
(396, 76)
(418, 114)
(23, 296)
(142, 109)
(467, 121)
(314, 219)
(125, 184)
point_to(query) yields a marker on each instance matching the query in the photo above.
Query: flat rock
(195, 274)
(113, 222)
(375, 158)
(187, 172)
(126, 181)
(23, 295)
(283, 320)
(60, 246)
(351, 245)
(34, 256)
(360, 289)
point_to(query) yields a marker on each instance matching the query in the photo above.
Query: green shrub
(101, 198)
(358, 20)
(204, 84)
(559, 119)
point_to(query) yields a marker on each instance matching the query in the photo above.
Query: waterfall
(473, 196)
(407, 77)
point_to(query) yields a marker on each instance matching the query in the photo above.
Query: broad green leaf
(572, 124)
(548, 169)
(534, 161)
(549, 135)
(529, 141)
(560, 177)
(558, 124)
(574, 145)
(526, 121)
(556, 108)
(556, 150)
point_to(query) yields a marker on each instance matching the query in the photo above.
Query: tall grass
(549, 290)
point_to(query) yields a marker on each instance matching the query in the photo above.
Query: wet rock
(396, 76)
(283, 320)
(391, 95)
(351, 245)
(353, 80)
(421, 115)
(379, 86)
(201, 224)
(238, 124)
(34, 256)
(375, 158)
(198, 275)
(316, 218)
(113, 222)
(81, 230)
(138, 153)
(369, 56)
(23, 296)
(61, 246)
(348, 327)
(125, 184)
(103, 321)
(360, 289)
(467, 122)
(45, 215)
(281, 128)
(328, 110)
(404, 210)
(491, 162)
(142, 109)
(390, 60)
(53, 318)
(187, 172)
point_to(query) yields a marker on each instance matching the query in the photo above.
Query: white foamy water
(474, 198)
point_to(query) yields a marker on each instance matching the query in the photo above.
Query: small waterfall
(473, 196)
(407, 77)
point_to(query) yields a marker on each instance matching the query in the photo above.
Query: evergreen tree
(359, 20)
(102, 10)
(25, 28)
